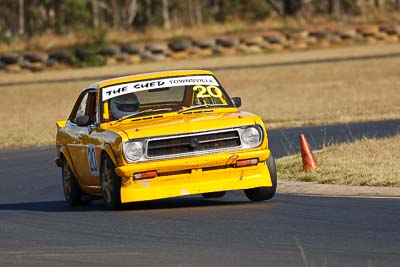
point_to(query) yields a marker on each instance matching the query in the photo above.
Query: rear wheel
(72, 191)
(110, 184)
(214, 194)
(264, 193)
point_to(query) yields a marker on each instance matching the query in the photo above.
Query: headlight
(251, 136)
(133, 150)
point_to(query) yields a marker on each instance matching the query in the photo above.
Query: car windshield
(175, 94)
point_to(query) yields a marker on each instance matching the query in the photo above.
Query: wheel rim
(67, 181)
(107, 182)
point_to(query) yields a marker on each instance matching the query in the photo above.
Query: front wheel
(265, 192)
(110, 184)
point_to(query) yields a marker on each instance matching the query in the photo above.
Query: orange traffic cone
(309, 162)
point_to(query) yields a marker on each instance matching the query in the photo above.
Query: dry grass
(373, 162)
(319, 93)
(28, 114)
(283, 96)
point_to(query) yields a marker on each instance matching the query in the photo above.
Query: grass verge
(373, 162)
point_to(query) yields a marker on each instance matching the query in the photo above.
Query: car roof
(150, 75)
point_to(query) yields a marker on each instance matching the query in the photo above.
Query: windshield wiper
(201, 106)
(143, 111)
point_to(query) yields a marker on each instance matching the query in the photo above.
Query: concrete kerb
(316, 189)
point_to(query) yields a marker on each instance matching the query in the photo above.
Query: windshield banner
(126, 88)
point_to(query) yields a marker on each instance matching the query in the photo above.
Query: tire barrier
(251, 44)
(203, 47)
(34, 61)
(12, 62)
(155, 51)
(10, 58)
(181, 48)
(61, 57)
(111, 54)
(226, 46)
(130, 54)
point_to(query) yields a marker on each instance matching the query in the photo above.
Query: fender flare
(109, 151)
(64, 153)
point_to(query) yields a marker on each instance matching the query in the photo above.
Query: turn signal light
(246, 163)
(145, 175)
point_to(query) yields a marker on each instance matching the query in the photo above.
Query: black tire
(319, 34)
(72, 191)
(226, 42)
(273, 39)
(50, 62)
(10, 58)
(33, 58)
(61, 56)
(214, 194)
(110, 51)
(264, 193)
(83, 53)
(130, 49)
(180, 45)
(157, 48)
(204, 43)
(110, 184)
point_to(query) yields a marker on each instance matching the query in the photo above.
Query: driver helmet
(124, 105)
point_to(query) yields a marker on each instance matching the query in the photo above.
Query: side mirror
(83, 120)
(61, 124)
(237, 101)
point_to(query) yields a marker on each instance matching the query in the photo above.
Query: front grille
(193, 143)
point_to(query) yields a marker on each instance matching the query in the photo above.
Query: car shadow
(98, 205)
(182, 202)
(47, 206)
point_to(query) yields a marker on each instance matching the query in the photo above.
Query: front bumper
(187, 176)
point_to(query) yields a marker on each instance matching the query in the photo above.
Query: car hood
(184, 123)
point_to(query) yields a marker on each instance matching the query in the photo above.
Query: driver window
(86, 107)
(81, 108)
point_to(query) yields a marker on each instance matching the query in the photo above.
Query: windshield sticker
(209, 91)
(127, 88)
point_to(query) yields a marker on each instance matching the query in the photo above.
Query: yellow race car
(161, 135)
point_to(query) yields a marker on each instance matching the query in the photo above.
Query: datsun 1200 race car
(162, 135)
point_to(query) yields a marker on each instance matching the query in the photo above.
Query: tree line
(35, 17)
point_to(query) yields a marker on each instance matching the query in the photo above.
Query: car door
(89, 143)
(74, 130)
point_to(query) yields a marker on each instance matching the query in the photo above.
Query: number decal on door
(91, 155)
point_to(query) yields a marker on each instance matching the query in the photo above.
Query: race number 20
(91, 155)
(209, 91)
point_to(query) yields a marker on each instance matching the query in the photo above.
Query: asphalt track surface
(37, 228)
